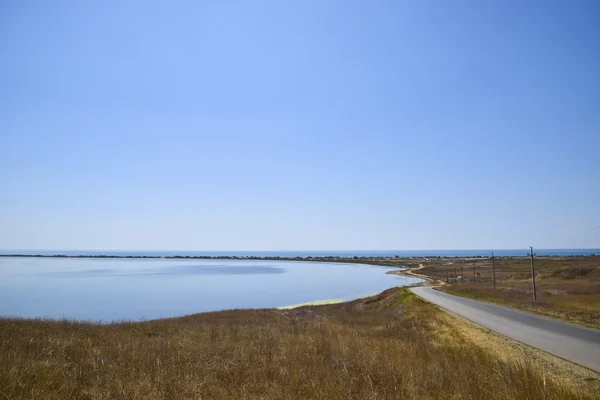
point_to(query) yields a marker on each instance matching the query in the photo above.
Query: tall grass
(391, 346)
(567, 287)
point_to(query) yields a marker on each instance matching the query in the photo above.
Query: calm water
(135, 289)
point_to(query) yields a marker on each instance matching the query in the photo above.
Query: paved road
(571, 342)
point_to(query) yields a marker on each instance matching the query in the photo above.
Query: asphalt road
(571, 342)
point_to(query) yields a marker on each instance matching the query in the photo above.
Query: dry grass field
(567, 287)
(391, 346)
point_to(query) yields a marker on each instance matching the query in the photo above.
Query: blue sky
(279, 125)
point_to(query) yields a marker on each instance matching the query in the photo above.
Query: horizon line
(307, 250)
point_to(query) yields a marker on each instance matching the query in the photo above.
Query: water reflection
(135, 289)
(176, 270)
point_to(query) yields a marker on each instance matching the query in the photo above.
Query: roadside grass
(567, 287)
(579, 303)
(392, 345)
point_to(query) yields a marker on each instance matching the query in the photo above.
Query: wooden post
(533, 274)
(494, 270)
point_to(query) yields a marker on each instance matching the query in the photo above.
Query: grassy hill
(389, 346)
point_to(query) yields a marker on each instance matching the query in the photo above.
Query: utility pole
(533, 274)
(494, 270)
(474, 278)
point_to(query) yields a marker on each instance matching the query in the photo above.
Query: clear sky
(273, 125)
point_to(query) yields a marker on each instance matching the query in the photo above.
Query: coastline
(327, 295)
(313, 303)
(411, 274)
(301, 254)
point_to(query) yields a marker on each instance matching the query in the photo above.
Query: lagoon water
(136, 289)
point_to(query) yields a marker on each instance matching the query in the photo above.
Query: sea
(306, 253)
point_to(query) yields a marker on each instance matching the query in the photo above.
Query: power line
(585, 233)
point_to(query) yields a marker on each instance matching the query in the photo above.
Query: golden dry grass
(567, 287)
(391, 346)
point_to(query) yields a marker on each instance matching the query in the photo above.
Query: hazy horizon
(299, 249)
(300, 125)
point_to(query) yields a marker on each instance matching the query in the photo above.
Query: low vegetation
(391, 346)
(567, 287)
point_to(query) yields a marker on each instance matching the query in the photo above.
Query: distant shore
(284, 258)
